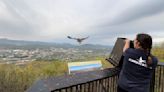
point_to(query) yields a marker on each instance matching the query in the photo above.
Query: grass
(17, 78)
(161, 60)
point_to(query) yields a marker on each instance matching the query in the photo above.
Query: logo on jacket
(139, 61)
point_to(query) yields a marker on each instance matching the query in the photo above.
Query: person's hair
(145, 41)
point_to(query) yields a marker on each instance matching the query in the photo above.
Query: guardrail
(94, 81)
(159, 78)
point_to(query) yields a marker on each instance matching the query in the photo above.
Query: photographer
(138, 65)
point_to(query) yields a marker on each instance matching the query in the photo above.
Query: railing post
(152, 83)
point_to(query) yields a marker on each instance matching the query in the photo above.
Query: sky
(102, 20)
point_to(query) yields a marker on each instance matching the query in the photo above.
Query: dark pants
(119, 89)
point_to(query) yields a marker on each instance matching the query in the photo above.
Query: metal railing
(106, 82)
(159, 78)
(94, 81)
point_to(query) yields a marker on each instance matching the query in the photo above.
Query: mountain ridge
(9, 43)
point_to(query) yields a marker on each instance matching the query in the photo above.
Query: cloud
(18, 20)
(130, 10)
(12, 22)
(103, 21)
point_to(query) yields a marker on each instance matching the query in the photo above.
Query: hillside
(21, 44)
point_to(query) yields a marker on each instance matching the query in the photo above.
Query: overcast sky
(102, 20)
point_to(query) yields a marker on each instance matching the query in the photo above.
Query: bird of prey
(79, 40)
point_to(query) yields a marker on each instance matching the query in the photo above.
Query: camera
(131, 44)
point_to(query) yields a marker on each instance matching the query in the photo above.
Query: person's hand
(127, 45)
(127, 41)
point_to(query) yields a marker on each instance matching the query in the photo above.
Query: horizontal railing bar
(161, 63)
